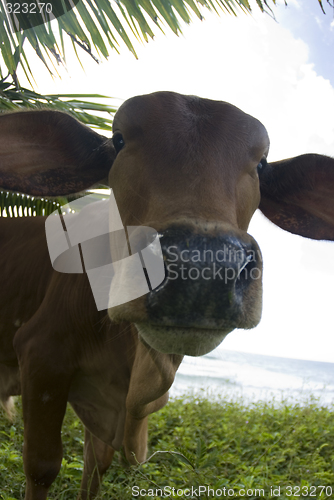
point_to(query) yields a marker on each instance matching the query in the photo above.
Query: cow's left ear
(298, 195)
(49, 153)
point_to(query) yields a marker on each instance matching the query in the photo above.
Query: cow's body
(21, 294)
(193, 170)
(99, 363)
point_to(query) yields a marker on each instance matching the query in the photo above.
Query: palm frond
(82, 107)
(95, 26)
(20, 205)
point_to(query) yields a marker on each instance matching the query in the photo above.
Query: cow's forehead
(174, 114)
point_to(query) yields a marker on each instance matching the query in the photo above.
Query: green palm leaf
(19, 205)
(96, 26)
(12, 99)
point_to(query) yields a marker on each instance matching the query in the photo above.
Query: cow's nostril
(245, 269)
(248, 259)
(249, 271)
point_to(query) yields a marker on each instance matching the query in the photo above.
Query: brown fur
(186, 162)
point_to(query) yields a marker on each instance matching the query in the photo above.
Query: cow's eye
(118, 141)
(262, 165)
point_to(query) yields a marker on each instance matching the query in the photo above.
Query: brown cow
(192, 169)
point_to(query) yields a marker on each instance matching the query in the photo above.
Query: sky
(282, 72)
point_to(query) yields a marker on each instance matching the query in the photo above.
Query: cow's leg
(135, 439)
(97, 459)
(45, 381)
(44, 399)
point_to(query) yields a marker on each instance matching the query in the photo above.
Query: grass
(260, 451)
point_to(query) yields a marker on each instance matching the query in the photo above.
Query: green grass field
(203, 450)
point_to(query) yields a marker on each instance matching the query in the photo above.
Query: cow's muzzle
(213, 285)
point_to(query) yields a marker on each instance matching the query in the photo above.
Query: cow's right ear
(50, 153)
(298, 195)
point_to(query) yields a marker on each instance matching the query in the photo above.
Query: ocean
(254, 377)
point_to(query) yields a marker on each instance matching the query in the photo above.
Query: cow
(193, 169)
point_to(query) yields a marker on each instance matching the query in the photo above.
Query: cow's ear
(298, 195)
(49, 153)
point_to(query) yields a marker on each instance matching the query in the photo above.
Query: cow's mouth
(181, 340)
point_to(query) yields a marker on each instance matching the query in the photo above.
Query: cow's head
(195, 170)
